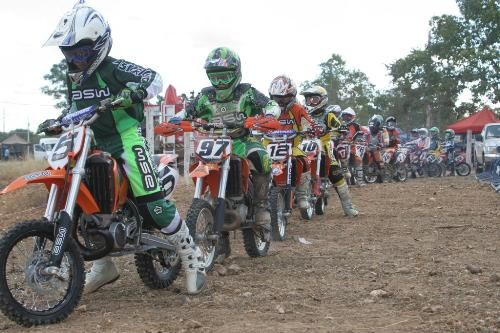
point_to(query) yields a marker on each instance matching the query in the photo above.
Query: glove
(105, 105)
(46, 127)
(131, 96)
(318, 129)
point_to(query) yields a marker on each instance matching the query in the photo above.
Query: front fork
(64, 224)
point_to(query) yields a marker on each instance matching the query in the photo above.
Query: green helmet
(449, 134)
(434, 132)
(223, 69)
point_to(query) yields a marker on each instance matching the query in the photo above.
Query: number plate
(310, 147)
(69, 141)
(279, 151)
(213, 150)
(386, 157)
(360, 150)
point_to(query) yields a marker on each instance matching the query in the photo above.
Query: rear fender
(50, 176)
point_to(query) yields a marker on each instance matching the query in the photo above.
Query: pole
(28, 139)
(3, 120)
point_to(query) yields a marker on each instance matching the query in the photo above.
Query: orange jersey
(394, 138)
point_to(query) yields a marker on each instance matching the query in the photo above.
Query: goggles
(313, 100)
(221, 79)
(79, 56)
(283, 100)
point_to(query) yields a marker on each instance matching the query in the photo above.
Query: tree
(469, 47)
(57, 87)
(347, 88)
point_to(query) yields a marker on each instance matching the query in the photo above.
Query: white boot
(103, 271)
(303, 191)
(345, 200)
(191, 258)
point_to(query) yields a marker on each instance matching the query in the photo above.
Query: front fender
(50, 176)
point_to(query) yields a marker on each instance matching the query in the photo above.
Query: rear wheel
(158, 269)
(200, 220)
(278, 220)
(28, 294)
(462, 169)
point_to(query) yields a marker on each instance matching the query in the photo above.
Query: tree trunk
(428, 110)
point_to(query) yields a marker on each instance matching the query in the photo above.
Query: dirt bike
(223, 197)
(459, 165)
(90, 213)
(343, 151)
(394, 160)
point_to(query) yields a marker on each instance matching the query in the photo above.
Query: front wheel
(434, 170)
(371, 173)
(462, 169)
(400, 172)
(254, 240)
(279, 220)
(200, 220)
(28, 294)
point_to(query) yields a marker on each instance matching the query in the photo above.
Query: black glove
(49, 127)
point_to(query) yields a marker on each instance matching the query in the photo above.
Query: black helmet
(375, 123)
(390, 122)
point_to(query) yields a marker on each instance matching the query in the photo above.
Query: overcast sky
(174, 37)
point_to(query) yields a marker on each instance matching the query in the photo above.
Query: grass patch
(13, 169)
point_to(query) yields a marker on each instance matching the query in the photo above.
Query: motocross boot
(345, 200)
(191, 258)
(302, 191)
(359, 176)
(261, 184)
(103, 272)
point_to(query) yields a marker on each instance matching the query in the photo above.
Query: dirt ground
(417, 242)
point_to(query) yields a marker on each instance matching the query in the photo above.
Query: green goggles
(221, 79)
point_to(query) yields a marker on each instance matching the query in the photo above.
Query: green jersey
(107, 81)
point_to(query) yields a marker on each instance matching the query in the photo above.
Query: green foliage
(469, 46)
(57, 84)
(347, 88)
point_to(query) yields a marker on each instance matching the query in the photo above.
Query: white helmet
(284, 91)
(316, 99)
(348, 116)
(335, 109)
(84, 37)
(272, 109)
(423, 132)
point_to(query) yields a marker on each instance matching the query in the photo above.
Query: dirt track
(412, 240)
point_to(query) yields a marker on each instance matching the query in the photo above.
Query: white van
(41, 150)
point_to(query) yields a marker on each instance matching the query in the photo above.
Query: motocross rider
(228, 100)
(348, 117)
(378, 140)
(93, 78)
(449, 146)
(435, 145)
(316, 100)
(394, 135)
(283, 91)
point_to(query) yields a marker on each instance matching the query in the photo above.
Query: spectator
(6, 154)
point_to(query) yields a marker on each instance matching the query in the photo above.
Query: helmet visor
(391, 124)
(347, 117)
(313, 100)
(80, 56)
(283, 100)
(221, 80)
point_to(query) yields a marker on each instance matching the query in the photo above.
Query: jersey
(107, 81)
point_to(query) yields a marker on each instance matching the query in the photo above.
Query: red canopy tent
(171, 98)
(475, 122)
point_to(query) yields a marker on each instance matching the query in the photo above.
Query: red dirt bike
(343, 149)
(281, 196)
(459, 165)
(394, 161)
(223, 197)
(90, 213)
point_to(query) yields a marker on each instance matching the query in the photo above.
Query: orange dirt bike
(90, 213)
(223, 197)
(394, 160)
